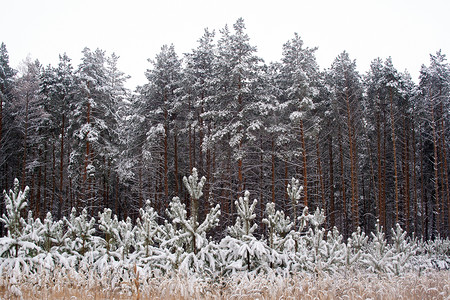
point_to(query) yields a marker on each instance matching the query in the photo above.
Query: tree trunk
(261, 178)
(344, 198)
(61, 169)
(385, 133)
(305, 177)
(38, 187)
(141, 196)
(435, 167)
(395, 158)
(166, 167)
(381, 204)
(175, 146)
(353, 179)
(286, 180)
(445, 183)
(422, 190)
(1, 121)
(87, 158)
(330, 155)
(52, 201)
(322, 186)
(406, 176)
(240, 176)
(445, 170)
(190, 138)
(25, 137)
(208, 171)
(273, 170)
(416, 222)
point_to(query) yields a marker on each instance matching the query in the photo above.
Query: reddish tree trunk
(305, 177)
(344, 198)
(273, 170)
(25, 137)
(330, 155)
(61, 167)
(353, 179)
(395, 158)
(176, 162)
(319, 169)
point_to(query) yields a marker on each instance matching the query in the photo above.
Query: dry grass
(430, 285)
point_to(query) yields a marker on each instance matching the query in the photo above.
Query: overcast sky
(406, 30)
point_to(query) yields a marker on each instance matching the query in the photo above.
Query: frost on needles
(107, 247)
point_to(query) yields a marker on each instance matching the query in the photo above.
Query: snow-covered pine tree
(299, 77)
(15, 202)
(379, 256)
(19, 245)
(402, 249)
(279, 227)
(294, 191)
(345, 88)
(49, 236)
(80, 233)
(193, 233)
(186, 236)
(244, 227)
(52, 234)
(57, 90)
(108, 242)
(333, 255)
(242, 250)
(195, 190)
(162, 105)
(315, 242)
(126, 240)
(234, 111)
(115, 109)
(281, 238)
(146, 231)
(199, 90)
(434, 106)
(355, 247)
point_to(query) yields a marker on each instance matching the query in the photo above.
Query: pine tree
(234, 109)
(80, 233)
(346, 92)
(15, 203)
(6, 87)
(93, 124)
(434, 104)
(147, 230)
(379, 258)
(57, 89)
(161, 111)
(299, 83)
(279, 227)
(294, 191)
(116, 110)
(244, 225)
(192, 233)
(30, 119)
(402, 250)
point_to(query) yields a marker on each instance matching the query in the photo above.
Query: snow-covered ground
(343, 285)
(106, 257)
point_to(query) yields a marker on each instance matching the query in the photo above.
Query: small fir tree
(244, 226)
(279, 227)
(146, 230)
(15, 203)
(80, 232)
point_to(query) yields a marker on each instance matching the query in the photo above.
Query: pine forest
(222, 163)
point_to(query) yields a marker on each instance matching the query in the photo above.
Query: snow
(123, 252)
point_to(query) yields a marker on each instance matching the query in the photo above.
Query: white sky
(407, 30)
